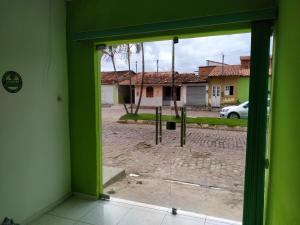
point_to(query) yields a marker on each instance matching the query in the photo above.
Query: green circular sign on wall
(12, 81)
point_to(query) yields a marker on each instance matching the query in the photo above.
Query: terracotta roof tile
(164, 78)
(110, 77)
(227, 70)
(231, 70)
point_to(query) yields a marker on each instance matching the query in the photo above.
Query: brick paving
(210, 159)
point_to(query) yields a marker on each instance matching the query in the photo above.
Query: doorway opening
(124, 94)
(167, 95)
(206, 176)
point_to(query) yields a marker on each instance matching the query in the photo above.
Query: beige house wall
(223, 82)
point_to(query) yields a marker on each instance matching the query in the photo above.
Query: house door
(216, 96)
(167, 96)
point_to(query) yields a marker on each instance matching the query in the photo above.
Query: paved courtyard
(205, 176)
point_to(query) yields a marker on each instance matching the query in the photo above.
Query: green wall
(88, 15)
(283, 204)
(243, 88)
(33, 43)
(98, 15)
(34, 134)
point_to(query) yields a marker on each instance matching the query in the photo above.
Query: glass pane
(206, 175)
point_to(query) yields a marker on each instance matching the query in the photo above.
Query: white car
(237, 111)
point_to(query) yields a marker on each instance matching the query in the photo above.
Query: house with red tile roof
(215, 85)
(111, 92)
(191, 90)
(227, 84)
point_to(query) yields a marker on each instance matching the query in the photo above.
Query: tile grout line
(88, 211)
(116, 205)
(125, 214)
(75, 220)
(165, 216)
(61, 217)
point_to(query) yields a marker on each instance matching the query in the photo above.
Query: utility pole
(135, 66)
(157, 66)
(222, 64)
(174, 94)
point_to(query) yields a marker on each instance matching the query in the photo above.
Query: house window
(149, 92)
(229, 90)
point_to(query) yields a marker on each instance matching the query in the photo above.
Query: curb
(191, 125)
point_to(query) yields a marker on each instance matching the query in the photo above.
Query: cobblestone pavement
(211, 160)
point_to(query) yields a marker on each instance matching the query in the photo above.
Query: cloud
(189, 53)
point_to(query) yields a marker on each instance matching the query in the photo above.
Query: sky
(189, 53)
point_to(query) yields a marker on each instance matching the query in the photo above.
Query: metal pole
(222, 63)
(135, 66)
(160, 124)
(184, 131)
(156, 125)
(174, 87)
(181, 127)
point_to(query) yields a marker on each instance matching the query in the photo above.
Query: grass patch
(197, 120)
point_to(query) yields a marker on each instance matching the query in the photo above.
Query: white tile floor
(78, 211)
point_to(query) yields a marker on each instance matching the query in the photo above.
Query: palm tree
(128, 49)
(129, 72)
(142, 80)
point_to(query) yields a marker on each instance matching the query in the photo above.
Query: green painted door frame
(195, 27)
(255, 157)
(257, 120)
(85, 110)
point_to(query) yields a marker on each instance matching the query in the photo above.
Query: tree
(110, 53)
(128, 51)
(142, 79)
(130, 80)
(174, 88)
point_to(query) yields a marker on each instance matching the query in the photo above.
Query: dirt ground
(205, 176)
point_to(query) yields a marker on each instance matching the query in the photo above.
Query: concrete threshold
(112, 175)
